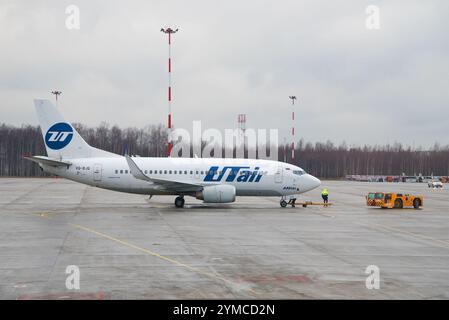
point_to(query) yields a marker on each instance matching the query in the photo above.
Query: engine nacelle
(217, 194)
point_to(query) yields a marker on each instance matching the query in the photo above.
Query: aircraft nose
(311, 183)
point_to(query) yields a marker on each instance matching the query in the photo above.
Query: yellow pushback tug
(393, 200)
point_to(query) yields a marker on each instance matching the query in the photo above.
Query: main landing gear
(179, 202)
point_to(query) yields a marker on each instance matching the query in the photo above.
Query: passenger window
(165, 171)
(84, 168)
(116, 171)
(185, 171)
(121, 171)
(169, 172)
(202, 172)
(175, 172)
(151, 171)
(160, 171)
(146, 171)
(196, 172)
(88, 168)
(191, 171)
(126, 171)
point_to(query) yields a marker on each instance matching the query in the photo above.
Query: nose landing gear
(291, 201)
(179, 202)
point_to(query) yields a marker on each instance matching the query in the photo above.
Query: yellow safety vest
(325, 192)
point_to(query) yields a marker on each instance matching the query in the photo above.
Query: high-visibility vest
(325, 192)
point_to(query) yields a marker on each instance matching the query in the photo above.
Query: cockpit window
(299, 172)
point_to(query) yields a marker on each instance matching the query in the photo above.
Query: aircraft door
(278, 175)
(97, 171)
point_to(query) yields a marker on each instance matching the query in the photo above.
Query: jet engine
(217, 194)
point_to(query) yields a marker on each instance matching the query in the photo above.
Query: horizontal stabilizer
(48, 161)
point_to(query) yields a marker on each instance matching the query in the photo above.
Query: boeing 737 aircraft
(213, 180)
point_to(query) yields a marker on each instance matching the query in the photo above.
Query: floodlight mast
(293, 98)
(56, 93)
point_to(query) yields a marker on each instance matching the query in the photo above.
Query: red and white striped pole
(293, 98)
(169, 32)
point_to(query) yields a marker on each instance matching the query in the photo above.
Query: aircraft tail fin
(61, 139)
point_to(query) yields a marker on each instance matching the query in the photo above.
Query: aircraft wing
(48, 161)
(164, 184)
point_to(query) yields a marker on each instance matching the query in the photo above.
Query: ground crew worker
(292, 200)
(325, 195)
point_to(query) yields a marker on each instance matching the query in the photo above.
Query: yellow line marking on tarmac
(133, 246)
(437, 242)
(44, 214)
(173, 261)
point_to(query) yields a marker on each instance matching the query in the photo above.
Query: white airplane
(213, 180)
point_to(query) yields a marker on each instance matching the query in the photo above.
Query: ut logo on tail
(58, 136)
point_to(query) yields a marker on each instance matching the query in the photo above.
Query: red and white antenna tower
(169, 32)
(241, 120)
(293, 98)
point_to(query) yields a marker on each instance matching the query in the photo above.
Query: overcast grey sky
(231, 57)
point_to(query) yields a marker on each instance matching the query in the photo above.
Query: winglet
(135, 170)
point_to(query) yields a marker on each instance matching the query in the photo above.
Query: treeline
(329, 161)
(15, 142)
(324, 160)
